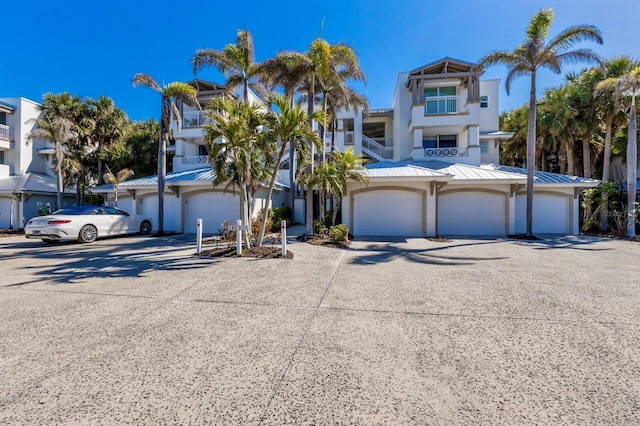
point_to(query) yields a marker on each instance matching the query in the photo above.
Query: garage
(389, 212)
(149, 207)
(471, 212)
(551, 213)
(5, 210)
(213, 207)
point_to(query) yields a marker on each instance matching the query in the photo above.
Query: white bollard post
(238, 237)
(283, 237)
(199, 236)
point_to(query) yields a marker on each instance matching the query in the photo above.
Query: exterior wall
(493, 154)
(22, 152)
(489, 116)
(402, 137)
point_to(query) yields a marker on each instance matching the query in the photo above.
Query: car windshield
(79, 210)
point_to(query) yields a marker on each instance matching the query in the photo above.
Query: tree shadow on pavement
(573, 242)
(69, 263)
(376, 251)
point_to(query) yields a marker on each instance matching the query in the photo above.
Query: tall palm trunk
(531, 153)
(571, 164)
(309, 195)
(60, 193)
(632, 163)
(586, 156)
(606, 165)
(100, 165)
(162, 163)
(272, 184)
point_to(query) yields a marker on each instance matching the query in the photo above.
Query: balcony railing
(374, 146)
(444, 105)
(445, 152)
(195, 118)
(4, 132)
(195, 159)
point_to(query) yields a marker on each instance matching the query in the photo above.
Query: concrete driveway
(136, 330)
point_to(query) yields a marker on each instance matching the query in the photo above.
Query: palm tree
(234, 137)
(604, 94)
(235, 61)
(109, 127)
(288, 126)
(629, 83)
(349, 167)
(169, 93)
(117, 179)
(535, 54)
(60, 132)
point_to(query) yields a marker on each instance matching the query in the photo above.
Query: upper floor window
(2, 158)
(3, 118)
(484, 147)
(202, 150)
(440, 100)
(439, 141)
(484, 102)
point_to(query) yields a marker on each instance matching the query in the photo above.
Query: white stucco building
(27, 180)
(434, 170)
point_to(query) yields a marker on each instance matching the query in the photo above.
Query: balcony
(445, 152)
(4, 132)
(445, 105)
(195, 159)
(195, 118)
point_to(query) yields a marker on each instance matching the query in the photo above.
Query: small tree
(117, 179)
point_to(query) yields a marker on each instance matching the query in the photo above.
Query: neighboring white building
(27, 181)
(435, 168)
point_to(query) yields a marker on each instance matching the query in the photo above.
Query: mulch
(263, 252)
(323, 240)
(10, 232)
(438, 239)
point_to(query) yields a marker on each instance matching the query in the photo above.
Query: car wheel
(88, 234)
(145, 227)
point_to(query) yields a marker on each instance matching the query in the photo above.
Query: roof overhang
(8, 108)
(503, 136)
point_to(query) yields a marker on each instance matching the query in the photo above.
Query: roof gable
(446, 66)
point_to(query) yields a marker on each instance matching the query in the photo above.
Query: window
(484, 102)
(202, 150)
(484, 147)
(440, 100)
(3, 160)
(440, 141)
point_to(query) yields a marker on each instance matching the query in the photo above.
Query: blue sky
(93, 47)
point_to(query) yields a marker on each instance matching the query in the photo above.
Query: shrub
(339, 233)
(319, 228)
(257, 221)
(277, 215)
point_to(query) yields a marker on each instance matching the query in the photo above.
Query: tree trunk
(60, 194)
(586, 156)
(531, 153)
(162, 164)
(272, 183)
(632, 163)
(309, 212)
(116, 191)
(604, 219)
(100, 167)
(571, 165)
(335, 212)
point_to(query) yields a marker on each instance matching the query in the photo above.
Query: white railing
(195, 159)
(445, 152)
(4, 131)
(444, 105)
(375, 147)
(195, 118)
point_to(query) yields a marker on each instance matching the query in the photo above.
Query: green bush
(279, 214)
(339, 233)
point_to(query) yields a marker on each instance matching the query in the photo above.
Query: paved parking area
(136, 330)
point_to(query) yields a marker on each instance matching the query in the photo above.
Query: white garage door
(213, 208)
(551, 214)
(471, 213)
(388, 213)
(126, 204)
(149, 207)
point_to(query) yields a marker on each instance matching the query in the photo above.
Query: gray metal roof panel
(462, 172)
(31, 183)
(387, 169)
(548, 177)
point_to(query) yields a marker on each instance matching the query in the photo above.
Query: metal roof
(202, 175)
(465, 172)
(387, 169)
(496, 135)
(548, 177)
(31, 183)
(6, 106)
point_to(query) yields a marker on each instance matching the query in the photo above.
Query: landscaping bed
(263, 252)
(323, 240)
(11, 232)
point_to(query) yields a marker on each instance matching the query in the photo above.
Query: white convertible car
(85, 224)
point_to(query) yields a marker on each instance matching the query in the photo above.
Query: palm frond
(145, 80)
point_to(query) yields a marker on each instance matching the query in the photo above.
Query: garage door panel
(149, 207)
(551, 214)
(213, 208)
(5, 212)
(471, 213)
(388, 213)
